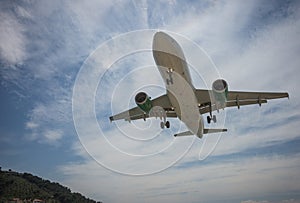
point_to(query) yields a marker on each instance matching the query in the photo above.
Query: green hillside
(29, 187)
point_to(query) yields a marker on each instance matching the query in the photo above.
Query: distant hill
(26, 186)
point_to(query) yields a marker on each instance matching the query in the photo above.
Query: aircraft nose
(162, 42)
(159, 36)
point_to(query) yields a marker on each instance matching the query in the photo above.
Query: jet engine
(220, 91)
(143, 101)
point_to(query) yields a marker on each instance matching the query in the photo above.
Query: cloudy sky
(66, 66)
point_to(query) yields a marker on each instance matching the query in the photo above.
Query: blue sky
(52, 52)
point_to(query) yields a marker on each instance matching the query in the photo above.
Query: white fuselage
(174, 70)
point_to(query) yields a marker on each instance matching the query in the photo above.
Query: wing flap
(127, 114)
(204, 96)
(235, 98)
(144, 116)
(136, 113)
(234, 95)
(245, 102)
(206, 108)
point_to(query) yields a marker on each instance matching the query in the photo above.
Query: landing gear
(159, 112)
(162, 125)
(168, 124)
(211, 117)
(208, 119)
(214, 118)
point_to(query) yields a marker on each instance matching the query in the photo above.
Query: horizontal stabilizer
(186, 133)
(205, 131)
(213, 130)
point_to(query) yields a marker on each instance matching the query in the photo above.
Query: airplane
(182, 99)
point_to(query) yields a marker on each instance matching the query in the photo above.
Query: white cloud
(251, 201)
(49, 122)
(31, 125)
(12, 39)
(52, 136)
(45, 122)
(253, 176)
(243, 48)
(265, 201)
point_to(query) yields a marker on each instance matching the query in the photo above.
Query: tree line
(26, 186)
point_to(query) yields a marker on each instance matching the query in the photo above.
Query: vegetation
(29, 187)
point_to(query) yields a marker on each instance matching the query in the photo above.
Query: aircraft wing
(236, 98)
(233, 95)
(136, 113)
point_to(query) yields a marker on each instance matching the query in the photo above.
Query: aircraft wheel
(168, 124)
(162, 125)
(214, 118)
(208, 119)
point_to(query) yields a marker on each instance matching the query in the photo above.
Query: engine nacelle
(220, 91)
(143, 102)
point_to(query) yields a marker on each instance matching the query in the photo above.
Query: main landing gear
(162, 124)
(159, 112)
(211, 117)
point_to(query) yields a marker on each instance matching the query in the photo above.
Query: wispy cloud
(56, 41)
(53, 136)
(12, 40)
(265, 201)
(200, 182)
